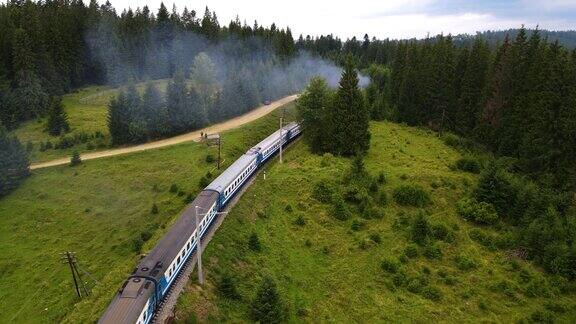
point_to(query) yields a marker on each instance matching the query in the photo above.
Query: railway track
(165, 311)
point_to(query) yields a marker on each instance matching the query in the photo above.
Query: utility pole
(219, 150)
(199, 248)
(281, 139)
(70, 258)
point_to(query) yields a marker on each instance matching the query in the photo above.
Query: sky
(383, 18)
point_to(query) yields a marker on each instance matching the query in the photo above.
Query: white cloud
(346, 19)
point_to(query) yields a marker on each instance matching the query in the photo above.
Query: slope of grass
(329, 270)
(99, 210)
(87, 110)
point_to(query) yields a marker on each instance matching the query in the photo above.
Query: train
(141, 293)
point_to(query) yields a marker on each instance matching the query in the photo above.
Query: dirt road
(192, 136)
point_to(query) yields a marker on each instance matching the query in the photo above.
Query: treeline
(49, 47)
(519, 100)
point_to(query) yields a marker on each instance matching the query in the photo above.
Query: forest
(510, 108)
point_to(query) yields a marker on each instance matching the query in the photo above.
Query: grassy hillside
(102, 211)
(87, 110)
(369, 270)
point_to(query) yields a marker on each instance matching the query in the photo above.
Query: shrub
(411, 195)
(288, 208)
(75, 159)
(468, 164)
(227, 287)
(465, 262)
(420, 229)
(381, 177)
(339, 209)
(154, 209)
(254, 242)
(355, 194)
(399, 279)
(323, 192)
(173, 188)
(189, 199)
(542, 316)
(267, 306)
(137, 244)
(210, 158)
(484, 239)
(300, 221)
(433, 252)
(495, 187)
(441, 232)
(390, 265)
(146, 235)
(415, 285)
(432, 293)
(376, 238)
(411, 251)
(478, 212)
(357, 225)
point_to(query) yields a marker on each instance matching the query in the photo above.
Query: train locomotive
(141, 293)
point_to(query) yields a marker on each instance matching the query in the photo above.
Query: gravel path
(192, 136)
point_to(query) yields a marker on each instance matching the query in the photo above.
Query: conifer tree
(137, 128)
(313, 106)
(14, 163)
(155, 112)
(349, 116)
(119, 119)
(57, 122)
(267, 306)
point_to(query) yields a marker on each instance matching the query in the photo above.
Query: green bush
(267, 305)
(75, 159)
(495, 187)
(173, 188)
(226, 286)
(300, 221)
(154, 209)
(323, 192)
(411, 251)
(465, 262)
(146, 235)
(478, 212)
(381, 177)
(441, 232)
(356, 194)
(420, 229)
(433, 252)
(468, 164)
(484, 239)
(432, 293)
(376, 238)
(339, 209)
(411, 195)
(254, 243)
(415, 285)
(210, 158)
(390, 265)
(358, 225)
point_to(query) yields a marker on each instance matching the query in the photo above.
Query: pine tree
(420, 229)
(469, 109)
(155, 112)
(267, 306)
(137, 128)
(14, 163)
(312, 108)
(119, 119)
(349, 116)
(254, 243)
(75, 159)
(57, 122)
(177, 102)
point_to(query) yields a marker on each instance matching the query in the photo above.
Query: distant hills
(566, 38)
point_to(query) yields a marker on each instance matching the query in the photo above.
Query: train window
(144, 316)
(183, 252)
(188, 245)
(178, 261)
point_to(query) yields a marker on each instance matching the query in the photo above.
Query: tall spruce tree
(267, 306)
(137, 127)
(349, 116)
(313, 106)
(14, 163)
(155, 112)
(119, 119)
(57, 122)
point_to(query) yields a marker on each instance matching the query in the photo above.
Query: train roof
(129, 302)
(231, 173)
